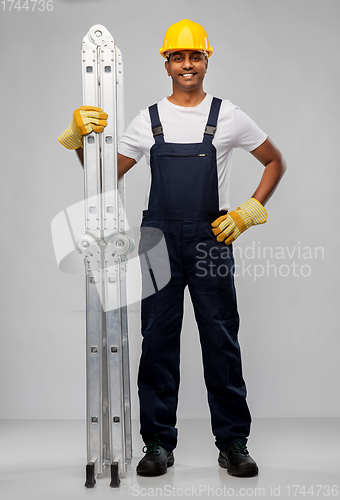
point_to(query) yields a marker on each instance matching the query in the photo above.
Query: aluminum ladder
(105, 246)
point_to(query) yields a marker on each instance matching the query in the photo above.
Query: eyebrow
(179, 53)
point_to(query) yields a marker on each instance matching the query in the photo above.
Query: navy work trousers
(198, 260)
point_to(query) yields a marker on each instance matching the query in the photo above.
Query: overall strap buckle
(210, 129)
(156, 126)
(157, 131)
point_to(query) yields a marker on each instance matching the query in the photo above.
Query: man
(188, 139)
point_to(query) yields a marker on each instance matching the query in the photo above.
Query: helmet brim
(166, 53)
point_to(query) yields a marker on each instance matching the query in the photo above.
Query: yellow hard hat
(186, 35)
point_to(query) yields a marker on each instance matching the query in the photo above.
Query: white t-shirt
(186, 125)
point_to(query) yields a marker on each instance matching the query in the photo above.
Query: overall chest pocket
(185, 180)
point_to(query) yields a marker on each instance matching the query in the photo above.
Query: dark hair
(168, 56)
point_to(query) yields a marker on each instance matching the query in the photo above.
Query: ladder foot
(115, 481)
(90, 479)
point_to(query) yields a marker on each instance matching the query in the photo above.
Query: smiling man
(188, 139)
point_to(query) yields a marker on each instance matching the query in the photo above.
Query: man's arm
(275, 166)
(124, 163)
(80, 154)
(228, 227)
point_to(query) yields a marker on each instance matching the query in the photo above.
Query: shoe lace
(152, 446)
(241, 447)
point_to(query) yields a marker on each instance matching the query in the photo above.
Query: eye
(197, 57)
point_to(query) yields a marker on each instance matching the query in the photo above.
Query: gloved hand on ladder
(228, 227)
(85, 120)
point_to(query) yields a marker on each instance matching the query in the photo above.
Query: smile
(188, 75)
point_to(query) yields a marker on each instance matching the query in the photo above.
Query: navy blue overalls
(182, 204)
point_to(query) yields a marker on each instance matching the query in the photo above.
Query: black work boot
(156, 459)
(237, 461)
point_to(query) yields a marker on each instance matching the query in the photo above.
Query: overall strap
(210, 128)
(156, 125)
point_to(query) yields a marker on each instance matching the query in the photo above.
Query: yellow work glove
(85, 119)
(230, 226)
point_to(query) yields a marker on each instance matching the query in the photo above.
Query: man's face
(187, 69)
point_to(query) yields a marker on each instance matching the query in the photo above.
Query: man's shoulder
(228, 105)
(144, 111)
(227, 109)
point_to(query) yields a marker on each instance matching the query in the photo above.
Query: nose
(187, 64)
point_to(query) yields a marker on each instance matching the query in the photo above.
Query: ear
(206, 64)
(167, 67)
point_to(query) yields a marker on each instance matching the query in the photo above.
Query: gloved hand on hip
(85, 119)
(228, 227)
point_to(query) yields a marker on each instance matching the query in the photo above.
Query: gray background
(277, 60)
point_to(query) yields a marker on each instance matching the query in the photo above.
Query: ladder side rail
(120, 124)
(109, 148)
(126, 366)
(115, 365)
(106, 87)
(94, 315)
(123, 227)
(112, 281)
